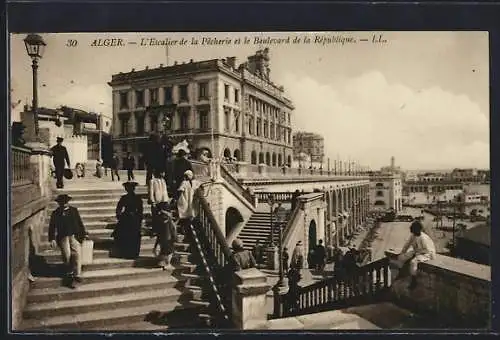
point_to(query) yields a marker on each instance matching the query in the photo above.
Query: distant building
(215, 105)
(309, 144)
(391, 168)
(471, 175)
(474, 244)
(386, 191)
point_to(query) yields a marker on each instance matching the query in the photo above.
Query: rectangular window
(272, 130)
(153, 96)
(259, 121)
(250, 126)
(226, 120)
(278, 132)
(203, 120)
(237, 121)
(123, 100)
(202, 91)
(153, 123)
(139, 98)
(124, 147)
(168, 94)
(226, 92)
(183, 89)
(124, 127)
(140, 125)
(184, 121)
(266, 131)
(236, 96)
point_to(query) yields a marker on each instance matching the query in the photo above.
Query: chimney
(147, 67)
(393, 163)
(190, 60)
(133, 70)
(161, 65)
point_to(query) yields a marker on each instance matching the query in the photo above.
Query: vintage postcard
(252, 180)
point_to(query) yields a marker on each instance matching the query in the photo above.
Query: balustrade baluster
(379, 279)
(386, 275)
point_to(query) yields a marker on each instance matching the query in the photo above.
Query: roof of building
(480, 234)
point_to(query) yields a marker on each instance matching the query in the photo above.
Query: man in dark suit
(59, 156)
(114, 167)
(180, 166)
(129, 165)
(67, 231)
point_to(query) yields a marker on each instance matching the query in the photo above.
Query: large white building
(386, 191)
(216, 105)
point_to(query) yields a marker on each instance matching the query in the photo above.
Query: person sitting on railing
(423, 249)
(243, 258)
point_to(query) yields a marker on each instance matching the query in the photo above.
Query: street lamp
(271, 202)
(35, 46)
(280, 221)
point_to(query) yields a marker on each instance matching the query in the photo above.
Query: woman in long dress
(129, 213)
(185, 196)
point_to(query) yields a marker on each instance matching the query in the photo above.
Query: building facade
(215, 105)
(385, 191)
(310, 144)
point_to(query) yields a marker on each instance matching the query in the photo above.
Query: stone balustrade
(454, 292)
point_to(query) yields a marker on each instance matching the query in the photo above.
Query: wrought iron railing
(364, 285)
(226, 175)
(21, 169)
(217, 259)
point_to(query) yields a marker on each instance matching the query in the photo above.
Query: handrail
(21, 168)
(278, 196)
(289, 223)
(365, 283)
(219, 257)
(235, 184)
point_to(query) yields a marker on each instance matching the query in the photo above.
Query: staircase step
(102, 319)
(99, 289)
(120, 263)
(113, 274)
(106, 302)
(83, 202)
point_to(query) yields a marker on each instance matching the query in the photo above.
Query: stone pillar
(249, 299)
(321, 223)
(40, 164)
(273, 261)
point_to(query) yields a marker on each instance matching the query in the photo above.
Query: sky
(422, 97)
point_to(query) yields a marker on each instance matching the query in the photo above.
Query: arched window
(289, 160)
(274, 159)
(380, 193)
(227, 153)
(253, 157)
(268, 158)
(237, 155)
(261, 158)
(280, 160)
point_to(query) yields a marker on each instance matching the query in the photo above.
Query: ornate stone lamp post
(35, 47)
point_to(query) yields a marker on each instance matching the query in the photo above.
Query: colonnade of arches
(352, 200)
(268, 158)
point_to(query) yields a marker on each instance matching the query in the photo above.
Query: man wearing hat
(298, 256)
(67, 231)
(181, 165)
(59, 156)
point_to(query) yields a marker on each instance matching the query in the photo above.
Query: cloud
(368, 119)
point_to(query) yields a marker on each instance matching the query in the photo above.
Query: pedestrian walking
(157, 192)
(129, 213)
(129, 165)
(320, 255)
(180, 166)
(60, 157)
(298, 256)
(67, 231)
(185, 194)
(423, 250)
(115, 162)
(166, 234)
(257, 251)
(243, 258)
(285, 260)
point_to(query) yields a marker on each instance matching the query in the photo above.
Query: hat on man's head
(63, 198)
(237, 244)
(59, 139)
(181, 153)
(130, 185)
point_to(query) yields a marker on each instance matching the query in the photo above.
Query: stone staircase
(117, 294)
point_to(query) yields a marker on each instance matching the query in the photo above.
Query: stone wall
(452, 292)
